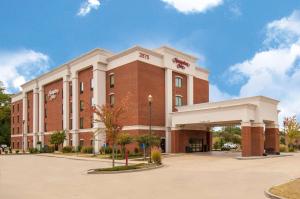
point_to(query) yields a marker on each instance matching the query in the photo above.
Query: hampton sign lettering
(52, 94)
(180, 63)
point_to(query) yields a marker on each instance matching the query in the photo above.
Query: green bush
(79, 148)
(17, 151)
(106, 150)
(67, 149)
(48, 149)
(283, 148)
(33, 150)
(291, 149)
(136, 150)
(87, 149)
(156, 156)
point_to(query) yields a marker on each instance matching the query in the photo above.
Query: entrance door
(196, 145)
(163, 145)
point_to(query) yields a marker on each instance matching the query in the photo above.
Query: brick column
(35, 116)
(209, 140)
(75, 113)
(99, 95)
(41, 115)
(246, 139)
(272, 138)
(25, 121)
(257, 139)
(175, 141)
(66, 104)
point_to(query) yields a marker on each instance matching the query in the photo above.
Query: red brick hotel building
(182, 116)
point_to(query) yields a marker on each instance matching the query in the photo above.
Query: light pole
(23, 141)
(150, 98)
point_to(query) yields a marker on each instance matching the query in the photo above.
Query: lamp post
(150, 98)
(23, 141)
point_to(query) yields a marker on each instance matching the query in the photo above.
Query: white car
(230, 145)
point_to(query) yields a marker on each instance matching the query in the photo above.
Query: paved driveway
(185, 176)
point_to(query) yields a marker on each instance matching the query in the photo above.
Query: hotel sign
(180, 63)
(52, 94)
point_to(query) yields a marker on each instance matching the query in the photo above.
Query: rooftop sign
(180, 63)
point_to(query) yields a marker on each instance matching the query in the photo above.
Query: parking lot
(202, 175)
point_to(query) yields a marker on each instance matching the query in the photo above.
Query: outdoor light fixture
(150, 98)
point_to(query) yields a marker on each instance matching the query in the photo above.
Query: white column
(168, 105)
(66, 119)
(35, 116)
(99, 95)
(190, 90)
(25, 121)
(41, 115)
(75, 113)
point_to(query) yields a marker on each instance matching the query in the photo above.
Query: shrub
(17, 151)
(156, 156)
(87, 149)
(283, 148)
(106, 150)
(67, 149)
(291, 149)
(47, 149)
(33, 150)
(79, 148)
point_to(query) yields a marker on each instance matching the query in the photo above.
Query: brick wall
(53, 108)
(85, 76)
(30, 112)
(17, 117)
(201, 91)
(179, 91)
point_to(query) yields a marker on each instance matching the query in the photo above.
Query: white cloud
(193, 6)
(275, 71)
(87, 6)
(20, 66)
(215, 94)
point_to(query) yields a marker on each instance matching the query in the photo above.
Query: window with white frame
(178, 82)
(178, 100)
(81, 87)
(111, 99)
(111, 80)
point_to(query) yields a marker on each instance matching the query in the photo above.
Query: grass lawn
(290, 190)
(129, 167)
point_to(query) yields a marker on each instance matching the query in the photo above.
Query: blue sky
(249, 46)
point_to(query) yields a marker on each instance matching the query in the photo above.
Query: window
(45, 98)
(178, 82)
(18, 119)
(92, 84)
(112, 99)
(70, 124)
(81, 123)
(81, 105)
(111, 80)
(45, 113)
(70, 89)
(81, 142)
(81, 87)
(13, 131)
(70, 107)
(178, 100)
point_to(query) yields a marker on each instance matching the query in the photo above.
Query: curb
(263, 157)
(92, 171)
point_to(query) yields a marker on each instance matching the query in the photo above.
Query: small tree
(111, 117)
(123, 140)
(292, 130)
(148, 141)
(58, 138)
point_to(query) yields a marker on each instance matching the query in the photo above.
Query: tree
(58, 138)
(5, 114)
(111, 117)
(292, 130)
(123, 140)
(148, 141)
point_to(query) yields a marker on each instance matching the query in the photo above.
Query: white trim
(143, 127)
(16, 135)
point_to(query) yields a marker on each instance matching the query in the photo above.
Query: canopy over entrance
(258, 117)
